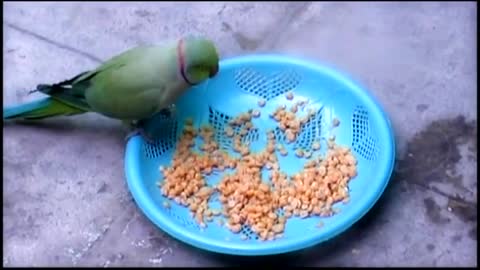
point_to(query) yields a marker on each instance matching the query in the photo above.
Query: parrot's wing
(72, 91)
(114, 63)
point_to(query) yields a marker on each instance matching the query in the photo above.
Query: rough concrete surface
(65, 201)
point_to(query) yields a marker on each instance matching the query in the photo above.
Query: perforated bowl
(241, 82)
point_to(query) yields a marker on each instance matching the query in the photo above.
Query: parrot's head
(199, 59)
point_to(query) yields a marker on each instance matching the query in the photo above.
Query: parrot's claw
(132, 134)
(169, 112)
(139, 131)
(148, 139)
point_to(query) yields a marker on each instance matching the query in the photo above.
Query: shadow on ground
(77, 127)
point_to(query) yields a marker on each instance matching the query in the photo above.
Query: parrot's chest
(170, 96)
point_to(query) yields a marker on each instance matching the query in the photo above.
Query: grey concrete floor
(65, 200)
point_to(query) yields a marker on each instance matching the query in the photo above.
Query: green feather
(133, 85)
(40, 109)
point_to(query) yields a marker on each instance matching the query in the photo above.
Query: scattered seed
(229, 131)
(335, 122)
(294, 109)
(166, 204)
(289, 95)
(261, 102)
(316, 145)
(256, 113)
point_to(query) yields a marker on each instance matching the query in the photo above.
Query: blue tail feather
(14, 111)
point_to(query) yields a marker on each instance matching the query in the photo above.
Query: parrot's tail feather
(40, 88)
(39, 109)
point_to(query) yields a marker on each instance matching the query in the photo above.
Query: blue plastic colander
(241, 82)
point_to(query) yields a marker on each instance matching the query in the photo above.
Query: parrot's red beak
(213, 72)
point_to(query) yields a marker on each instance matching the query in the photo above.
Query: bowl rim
(146, 204)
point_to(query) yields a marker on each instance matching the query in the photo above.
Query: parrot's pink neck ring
(181, 60)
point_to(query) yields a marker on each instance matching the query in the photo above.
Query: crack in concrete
(281, 29)
(435, 260)
(52, 42)
(441, 193)
(91, 243)
(127, 226)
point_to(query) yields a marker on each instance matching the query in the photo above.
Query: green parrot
(132, 86)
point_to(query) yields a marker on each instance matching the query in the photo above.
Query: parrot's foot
(139, 131)
(132, 134)
(169, 112)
